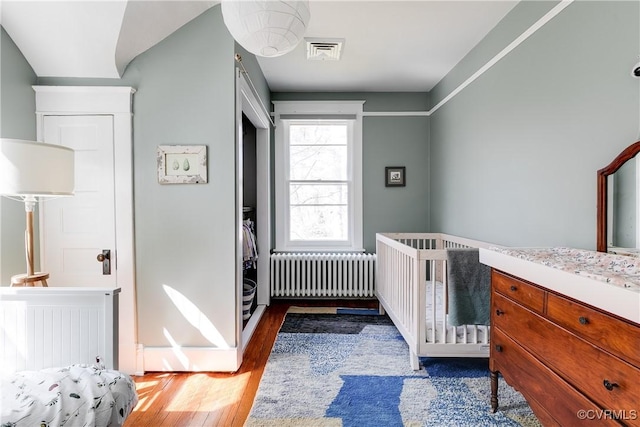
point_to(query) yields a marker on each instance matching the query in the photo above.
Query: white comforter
(78, 395)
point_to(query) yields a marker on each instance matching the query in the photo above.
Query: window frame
(288, 112)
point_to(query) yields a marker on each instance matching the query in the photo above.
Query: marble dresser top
(607, 281)
(618, 270)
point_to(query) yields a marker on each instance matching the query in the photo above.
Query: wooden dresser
(574, 363)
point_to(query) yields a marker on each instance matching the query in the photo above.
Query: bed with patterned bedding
(77, 395)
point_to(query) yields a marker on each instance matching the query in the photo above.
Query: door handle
(105, 259)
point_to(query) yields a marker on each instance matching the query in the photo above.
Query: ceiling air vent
(324, 49)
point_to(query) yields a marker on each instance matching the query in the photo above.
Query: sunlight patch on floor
(218, 392)
(145, 398)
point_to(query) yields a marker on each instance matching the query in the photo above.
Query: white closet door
(79, 228)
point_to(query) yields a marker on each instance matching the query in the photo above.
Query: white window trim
(319, 108)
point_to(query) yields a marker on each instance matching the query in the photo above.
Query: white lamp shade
(266, 27)
(30, 168)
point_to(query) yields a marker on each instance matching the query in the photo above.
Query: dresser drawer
(614, 335)
(541, 386)
(608, 381)
(526, 294)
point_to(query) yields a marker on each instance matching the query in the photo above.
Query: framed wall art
(395, 176)
(182, 164)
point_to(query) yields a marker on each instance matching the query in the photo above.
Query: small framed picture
(395, 176)
(182, 164)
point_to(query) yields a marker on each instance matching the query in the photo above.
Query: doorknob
(105, 259)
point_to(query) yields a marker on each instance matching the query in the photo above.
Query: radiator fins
(335, 275)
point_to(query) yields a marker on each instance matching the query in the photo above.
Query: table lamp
(30, 171)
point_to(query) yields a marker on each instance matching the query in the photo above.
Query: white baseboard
(252, 324)
(195, 359)
(190, 359)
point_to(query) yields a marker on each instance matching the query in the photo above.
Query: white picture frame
(182, 164)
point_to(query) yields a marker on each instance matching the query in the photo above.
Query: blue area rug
(353, 370)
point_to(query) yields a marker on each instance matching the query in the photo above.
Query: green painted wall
(511, 159)
(389, 141)
(184, 234)
(17, 120)
(514, 156)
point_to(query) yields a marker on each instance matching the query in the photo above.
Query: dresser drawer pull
(499, 349)
(499, 312)
(583, 320)
(609, 385)
(513, 288)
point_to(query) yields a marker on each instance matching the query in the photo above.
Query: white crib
(411, 286)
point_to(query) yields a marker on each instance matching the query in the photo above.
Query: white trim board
(504, 52)
(117, 102)
(0, 241)
(396, 113)
(190, 359)
(341, 110)
(249, 103)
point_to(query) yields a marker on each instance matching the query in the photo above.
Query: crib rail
(411, 286)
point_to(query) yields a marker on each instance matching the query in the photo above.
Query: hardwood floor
(216, 399)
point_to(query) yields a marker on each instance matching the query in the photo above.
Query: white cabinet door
(77, 229)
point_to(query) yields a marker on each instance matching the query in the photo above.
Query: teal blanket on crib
(469, 288)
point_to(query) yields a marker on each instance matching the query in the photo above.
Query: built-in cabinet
(254, 201)
(249, 215)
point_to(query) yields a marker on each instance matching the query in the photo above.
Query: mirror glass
(618, 204)
(622, 227)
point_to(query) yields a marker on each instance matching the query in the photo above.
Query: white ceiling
(389, 45)
(86, 38)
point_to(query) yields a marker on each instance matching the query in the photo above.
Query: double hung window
(318, 176)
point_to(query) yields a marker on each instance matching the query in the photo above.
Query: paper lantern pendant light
(266, 27)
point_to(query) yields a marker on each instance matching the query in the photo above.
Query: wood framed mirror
(605, 203)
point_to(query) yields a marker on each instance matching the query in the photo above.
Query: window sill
(319, 250)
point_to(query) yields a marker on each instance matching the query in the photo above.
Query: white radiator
(56, 327)
(338, 275)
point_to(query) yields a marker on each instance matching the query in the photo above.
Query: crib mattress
(464, 334)
(77, 395)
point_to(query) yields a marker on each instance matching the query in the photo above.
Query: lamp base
(29, 280)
